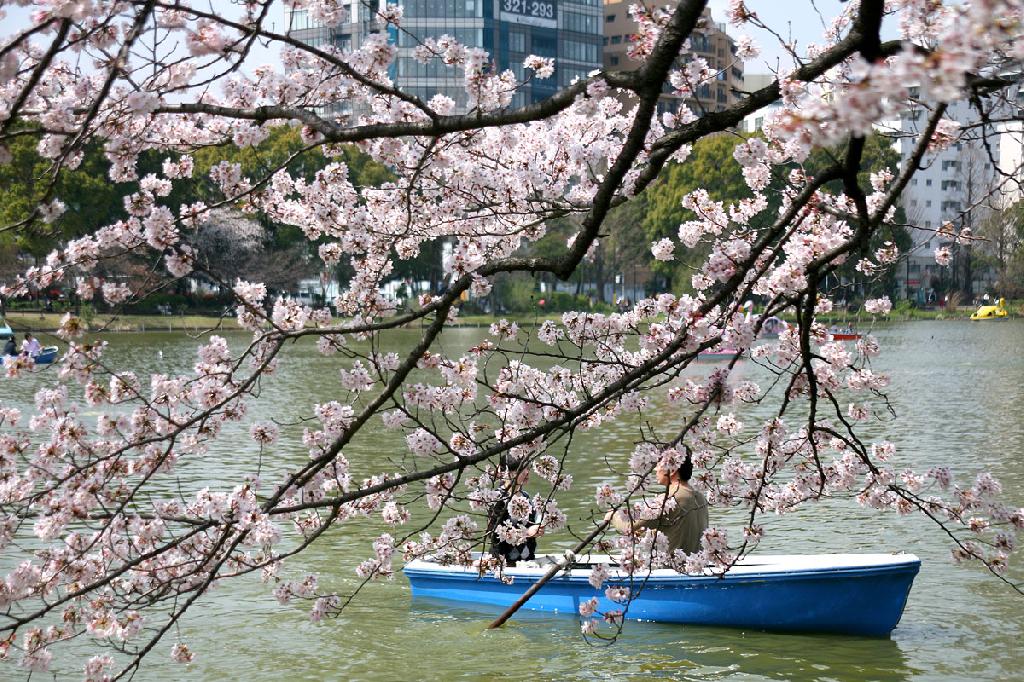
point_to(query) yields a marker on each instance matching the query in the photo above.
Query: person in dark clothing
(514, 510)
(11, 347)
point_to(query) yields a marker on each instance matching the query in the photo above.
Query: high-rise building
(709, 40)
(955, 188)
(570, 31)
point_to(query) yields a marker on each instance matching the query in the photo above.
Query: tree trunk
(968, 275)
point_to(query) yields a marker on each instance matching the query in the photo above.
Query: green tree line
(92, 200)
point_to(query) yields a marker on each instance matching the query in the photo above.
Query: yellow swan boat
(991, 312)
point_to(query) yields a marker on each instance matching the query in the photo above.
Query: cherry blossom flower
(542, 67)
(180, 653)
(663, 249)
(878, 306)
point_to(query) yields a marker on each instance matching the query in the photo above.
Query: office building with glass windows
(570, 31)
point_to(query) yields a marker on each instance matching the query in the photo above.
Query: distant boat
(859, 594)
(991, 312)
(45, 356)
(844, 334)
(772, 327)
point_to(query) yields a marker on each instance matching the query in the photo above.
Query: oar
(567, 560)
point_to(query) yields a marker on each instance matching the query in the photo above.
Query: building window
(580, 23)
(300, 19)
(946, 165)
(913, 181)
(516, 41)
(543, 46)
(616, 40)
(578, 51)
(443, 9)
(570, 73)
(467, 36)
(609, 18)
(950, 184)
(928, 182)
(613, 60)
(928, 204)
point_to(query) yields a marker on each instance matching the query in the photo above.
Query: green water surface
(957, 390)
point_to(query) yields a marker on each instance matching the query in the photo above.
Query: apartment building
(956, 187)
(709, 41)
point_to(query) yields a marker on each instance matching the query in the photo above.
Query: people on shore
(513, 516)
(684, 522)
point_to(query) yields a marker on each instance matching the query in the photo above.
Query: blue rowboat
(45, 357)
(860, 594)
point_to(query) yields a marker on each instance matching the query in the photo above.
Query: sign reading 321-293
(533, 12)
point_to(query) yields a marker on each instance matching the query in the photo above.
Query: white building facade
(955, 188)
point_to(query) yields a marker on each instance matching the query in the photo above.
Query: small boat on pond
(844, 334)
(860, 594)
(992, 312)
(772, 327)
(45, 356)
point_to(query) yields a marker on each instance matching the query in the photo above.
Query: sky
(800, 20)
(803, 21)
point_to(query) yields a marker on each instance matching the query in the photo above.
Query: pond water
(956, 390)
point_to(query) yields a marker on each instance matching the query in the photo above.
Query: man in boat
(30, 346)
(684, 522)
(11, 347)
(514, 515)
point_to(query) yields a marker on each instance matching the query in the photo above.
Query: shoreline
(138, 324)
